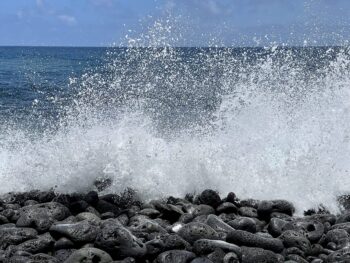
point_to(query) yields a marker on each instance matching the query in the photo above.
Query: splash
(261, 122)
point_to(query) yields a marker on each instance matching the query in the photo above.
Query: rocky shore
(47, 227)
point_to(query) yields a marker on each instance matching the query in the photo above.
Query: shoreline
(42, 226)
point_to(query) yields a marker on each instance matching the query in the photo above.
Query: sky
(174, 22)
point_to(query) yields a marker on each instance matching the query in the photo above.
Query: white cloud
(67, 19)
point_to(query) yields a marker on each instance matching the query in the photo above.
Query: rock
(62, 254)
(244, 238)
(103, 206)
(89, 217)
(194, 231)
(174, 241)
(339, 237)
(345, 226)
(15, 235)
(243, 223)
(151, 213)
(265, 208)
(339, 256)
(93, 255)
(249, 203)
(247, 211)
(91, 198)
(343, 218)
(203, 210)
(107, 215)
(146, 226)
(210, 197)
(217, 224)
(81, 232)
(119, 241)
(293, 238)
(231, 258)
(201, 260)
(206, 246)
(155, 247)
(296, 258)
(78, 207)
(40, 244)
(168, 211)
(175, 256)
(42, 216)
(42, 258)
(3, 220)
(276, 226)
(63, 243)
(217, 256)
(313, 229)
(258, 255)
(227, 208)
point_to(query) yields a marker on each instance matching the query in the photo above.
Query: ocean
(265, 123)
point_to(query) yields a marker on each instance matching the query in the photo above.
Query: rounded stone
(206, 246)
(293, 238)
(93, 255)
(244, 223)
(194, 231)
(244, 238)
(210, 197)
(255, 255)
(81, 232)
(175, 256)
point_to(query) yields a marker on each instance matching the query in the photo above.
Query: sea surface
(264, 123)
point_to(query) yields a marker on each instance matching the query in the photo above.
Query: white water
(275, 135)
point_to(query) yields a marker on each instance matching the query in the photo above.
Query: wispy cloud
(67, 19)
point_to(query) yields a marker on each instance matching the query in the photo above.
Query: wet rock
(40, 244)
(155, 247)
(175, 256)
(313, 229)
(217, 224)
(345, 226)
(217, 256)
(107, 215)
(249, 203)
(256, 255)
(42, 216)
(248, 211)
(119, 241)
(63, 243)
(339, 237)
(80, 232)
(276, 226)
(227, 208)
(265, 208)
(146, 226)
(151, 213)
(62, 254)
(296, 258)
(293, 238)
(3, 220)
(194, 231)
(174, 241)
(15, 235)
(203, 210)
(168, 211)
(244, 238)
(210, 197)
(103, 206)
(201, 260)
(89, 217)
(206, 246)
(91, 198)
(339, 256)
(42, 258)
(231, 258)
(343, 218)
(244, 223)
(78, 207)
(93, 255)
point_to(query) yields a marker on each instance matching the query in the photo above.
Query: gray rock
(175, 256)
(90, 217)
(339, 237)
(87, 255)
(313, 229)
(292, 238)
(218, 225)
(174, 241)
(40, 244)
(244, 223)
(206, 246)
(248, 211)
(276, 226)
(119, 241)
(296, 258)
(210, 197)
(201, 260)
(244, 238)
(155, 247)
(80, 232)
(203, 210)
(15, 235)
(63, 243)
(194, 231)
(151, 213)
(258, 255)
(42, 216)
(62, 254)
(227, 208)
(231, 258)
(265, 208)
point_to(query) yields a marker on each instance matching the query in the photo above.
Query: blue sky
(175, 22)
